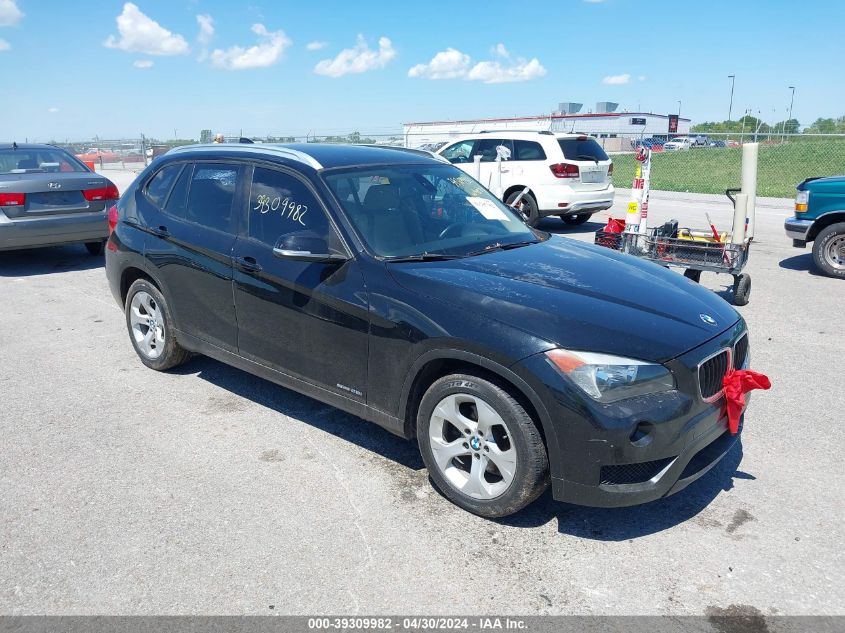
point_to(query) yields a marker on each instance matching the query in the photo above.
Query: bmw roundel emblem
(475, 443)
(709, 320)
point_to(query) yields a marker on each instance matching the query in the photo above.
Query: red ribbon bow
(737, 383)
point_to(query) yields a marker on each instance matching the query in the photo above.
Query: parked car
(568, 175)
(820, 218)
(653, 144)
(49, 197)
(699, 140)
(388, 283)
(680, 142)
(717, 143)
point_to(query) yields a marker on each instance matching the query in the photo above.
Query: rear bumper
(797, 229)
(549, 197)
(52, 230)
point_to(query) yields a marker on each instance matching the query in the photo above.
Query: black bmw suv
(393, 286)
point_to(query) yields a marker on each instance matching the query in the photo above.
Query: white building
(615, 130)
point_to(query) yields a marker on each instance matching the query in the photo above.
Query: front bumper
(797, 229)
(34, 232)
(639, 449)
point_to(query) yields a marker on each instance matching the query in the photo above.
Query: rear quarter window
(582, 149)
(159, 185)
(528, 150)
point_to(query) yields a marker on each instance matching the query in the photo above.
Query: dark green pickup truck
(820, 218)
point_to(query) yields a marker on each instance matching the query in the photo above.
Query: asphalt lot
(206, 490)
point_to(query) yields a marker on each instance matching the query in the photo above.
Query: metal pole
(731, 104)
(679, 109)
(791, 100)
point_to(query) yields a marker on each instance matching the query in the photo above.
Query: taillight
(610, 170)
(112, 218)
(565, 170)
(12, 199)
(101, 193)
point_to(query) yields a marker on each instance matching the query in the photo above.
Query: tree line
(751, 124)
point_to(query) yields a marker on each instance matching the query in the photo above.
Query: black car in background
(49, 197)
(393, 286)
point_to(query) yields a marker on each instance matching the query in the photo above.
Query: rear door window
(528, 150)
(582, 148)
(160, 184)
(211, 195)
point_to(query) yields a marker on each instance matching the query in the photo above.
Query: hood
(578, 296)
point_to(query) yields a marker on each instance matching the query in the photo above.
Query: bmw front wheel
(482, 449)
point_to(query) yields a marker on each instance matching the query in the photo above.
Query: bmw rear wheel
(150, 326)
(574, 220)
(482, 449)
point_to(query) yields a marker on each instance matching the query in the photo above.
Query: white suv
(568, 175)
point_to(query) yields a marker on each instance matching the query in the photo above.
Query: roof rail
(263, 148)
(512, 130)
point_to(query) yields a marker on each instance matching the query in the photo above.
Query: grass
(712, 170)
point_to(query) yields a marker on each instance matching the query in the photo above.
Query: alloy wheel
(472, 447)
(147, 320)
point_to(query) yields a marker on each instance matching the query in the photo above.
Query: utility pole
(731, 104)
(791, 101)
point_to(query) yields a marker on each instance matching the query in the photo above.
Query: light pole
(731, 104)
(679, 108)
(791, 100)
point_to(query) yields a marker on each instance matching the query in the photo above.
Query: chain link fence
(710, 166)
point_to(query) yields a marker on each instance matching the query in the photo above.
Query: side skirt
(384, 420)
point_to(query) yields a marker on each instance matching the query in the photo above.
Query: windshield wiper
(501, 247)
(423, 257)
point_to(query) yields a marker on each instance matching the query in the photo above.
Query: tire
(95, 248)
(829, 250)
(742, 289)
(483, 451)
(575, 220)
(695, 275)
(529, 207)
(159, 351)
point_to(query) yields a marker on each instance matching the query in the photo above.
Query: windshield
(403, 211)
(22, 161)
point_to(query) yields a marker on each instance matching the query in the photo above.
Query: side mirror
(305, 246)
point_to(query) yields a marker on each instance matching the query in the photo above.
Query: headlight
(802, 200)
(610, 378)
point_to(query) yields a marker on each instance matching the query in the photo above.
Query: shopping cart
(694, 250)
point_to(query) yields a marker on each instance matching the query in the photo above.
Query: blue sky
(71, 72)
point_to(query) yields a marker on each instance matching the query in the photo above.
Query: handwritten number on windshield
(289, 208)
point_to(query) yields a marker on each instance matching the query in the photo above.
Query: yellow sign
(639, 172)
(632, 208)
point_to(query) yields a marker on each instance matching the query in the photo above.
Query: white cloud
(4, 45)
(9, 13)
(453, 64)
(641, 78)
(316, 45)
(141, 34)
(143, 63)
(269, 50)
(616, 80)
(448, 64)
(52, 110)
(593, 1)
(359, 59)
(206, 24)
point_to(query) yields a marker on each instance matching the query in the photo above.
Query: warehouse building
(616, 131)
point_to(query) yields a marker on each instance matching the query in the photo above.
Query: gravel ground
(206, 490)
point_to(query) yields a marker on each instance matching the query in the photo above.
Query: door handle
(248, 264)
(160, 231)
